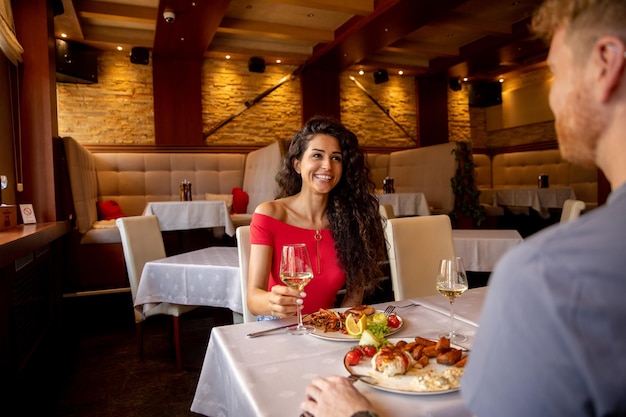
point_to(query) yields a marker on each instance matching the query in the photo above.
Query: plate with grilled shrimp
(416, 366)
(330, 324)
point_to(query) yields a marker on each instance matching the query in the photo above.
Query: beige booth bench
(133, 179)
(521, 169)
(427, 170)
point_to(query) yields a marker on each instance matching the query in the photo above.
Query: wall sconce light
(256, 64)
(381, 76)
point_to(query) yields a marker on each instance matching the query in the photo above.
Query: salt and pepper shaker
(388, 187)
(185, 191)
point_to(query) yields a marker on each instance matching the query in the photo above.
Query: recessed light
(227, 56)
(119, 48)
(278, 61)
(400, 72)
(501, 80)
(361, 72)
(310, 15)
(64, 35)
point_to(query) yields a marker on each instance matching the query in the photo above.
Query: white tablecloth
(406, 204)
(186, 215)
(539, 199)
(205, 277)
(481, 249)
(266, 376)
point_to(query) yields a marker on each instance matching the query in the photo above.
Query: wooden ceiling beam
(390, 22)
(273, 30)
(107, 10)
(355, 7)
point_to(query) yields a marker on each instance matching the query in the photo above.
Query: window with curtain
(8, 41)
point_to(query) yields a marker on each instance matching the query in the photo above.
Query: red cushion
(108, 210)
(240, 201)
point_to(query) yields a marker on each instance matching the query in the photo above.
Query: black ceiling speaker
(381, 76)
(455, 84)
(484, 93)
(139, 55)
(256, 64)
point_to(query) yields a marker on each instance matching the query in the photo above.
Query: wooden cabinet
(32, 262)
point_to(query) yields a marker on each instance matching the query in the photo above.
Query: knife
(262, 332)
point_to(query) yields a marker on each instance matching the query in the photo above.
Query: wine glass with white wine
(296, 272)
(451, 283)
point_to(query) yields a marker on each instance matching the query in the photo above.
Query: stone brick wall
(119, 108)
(370, 123)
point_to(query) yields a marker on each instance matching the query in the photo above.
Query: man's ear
(611, 56)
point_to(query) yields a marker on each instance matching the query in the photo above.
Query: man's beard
(578, 128)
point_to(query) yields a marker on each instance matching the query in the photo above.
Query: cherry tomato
(354, 357)
(393, 321)
(368, 350)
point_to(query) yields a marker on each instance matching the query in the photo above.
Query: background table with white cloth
(482, 248)
(187, 215)
(539, 199)
(205, 277)
(405, 204)
(266, 376)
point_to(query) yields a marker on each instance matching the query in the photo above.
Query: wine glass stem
(300, 325)
(451, 318)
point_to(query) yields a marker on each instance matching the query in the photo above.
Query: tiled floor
(105, 377)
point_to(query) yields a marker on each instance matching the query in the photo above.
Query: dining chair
(243, 247)
(414, 247)
(572, 210)
(142, 242)
(386, 211)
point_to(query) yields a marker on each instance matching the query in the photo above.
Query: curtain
(8, 41)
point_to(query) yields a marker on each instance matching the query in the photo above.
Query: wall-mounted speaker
(139, 55)
(256, 64)
(76, 63)
(455, 84)
(381, 76)
(484, 93)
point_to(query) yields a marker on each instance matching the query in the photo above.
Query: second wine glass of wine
(296, 272)
(451, 283)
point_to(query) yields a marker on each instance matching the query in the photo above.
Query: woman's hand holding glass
(285, 301)
(296, 272)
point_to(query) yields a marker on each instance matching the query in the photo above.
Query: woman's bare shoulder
(274, 208)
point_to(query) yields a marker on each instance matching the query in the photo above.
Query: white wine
(451, 292)
(298, 280)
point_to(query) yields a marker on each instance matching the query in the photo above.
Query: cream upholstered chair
(414, 246)
(572, 210)
(386, 211)
(142, 242)
(243, 247)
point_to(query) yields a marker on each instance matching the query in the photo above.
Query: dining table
(405, 204)
(267, 375)
(482, 248)
(187, 215)
(538, 199)
(204, 277)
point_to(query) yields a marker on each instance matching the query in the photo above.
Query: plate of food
(416, 366)
(350, 324)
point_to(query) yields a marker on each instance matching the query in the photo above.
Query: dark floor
(104, 375)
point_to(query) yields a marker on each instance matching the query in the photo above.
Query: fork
(389, 310)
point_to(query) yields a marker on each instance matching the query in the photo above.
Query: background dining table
(187, 215)
(482, 248)
(205, 277)
(405, 204)
(266, 376)
(539, 199)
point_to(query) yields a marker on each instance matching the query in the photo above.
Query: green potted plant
(467, 213)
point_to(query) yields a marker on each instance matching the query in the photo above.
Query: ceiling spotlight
(361, 72)
(400, 72)
(278, 61)
(227, 56)
(501, 80)
(64, 35)
(119, 48)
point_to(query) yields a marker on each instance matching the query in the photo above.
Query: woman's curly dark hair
(352, 210)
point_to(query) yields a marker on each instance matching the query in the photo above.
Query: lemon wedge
(355, 327)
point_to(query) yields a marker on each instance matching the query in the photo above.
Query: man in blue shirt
(551, 340)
